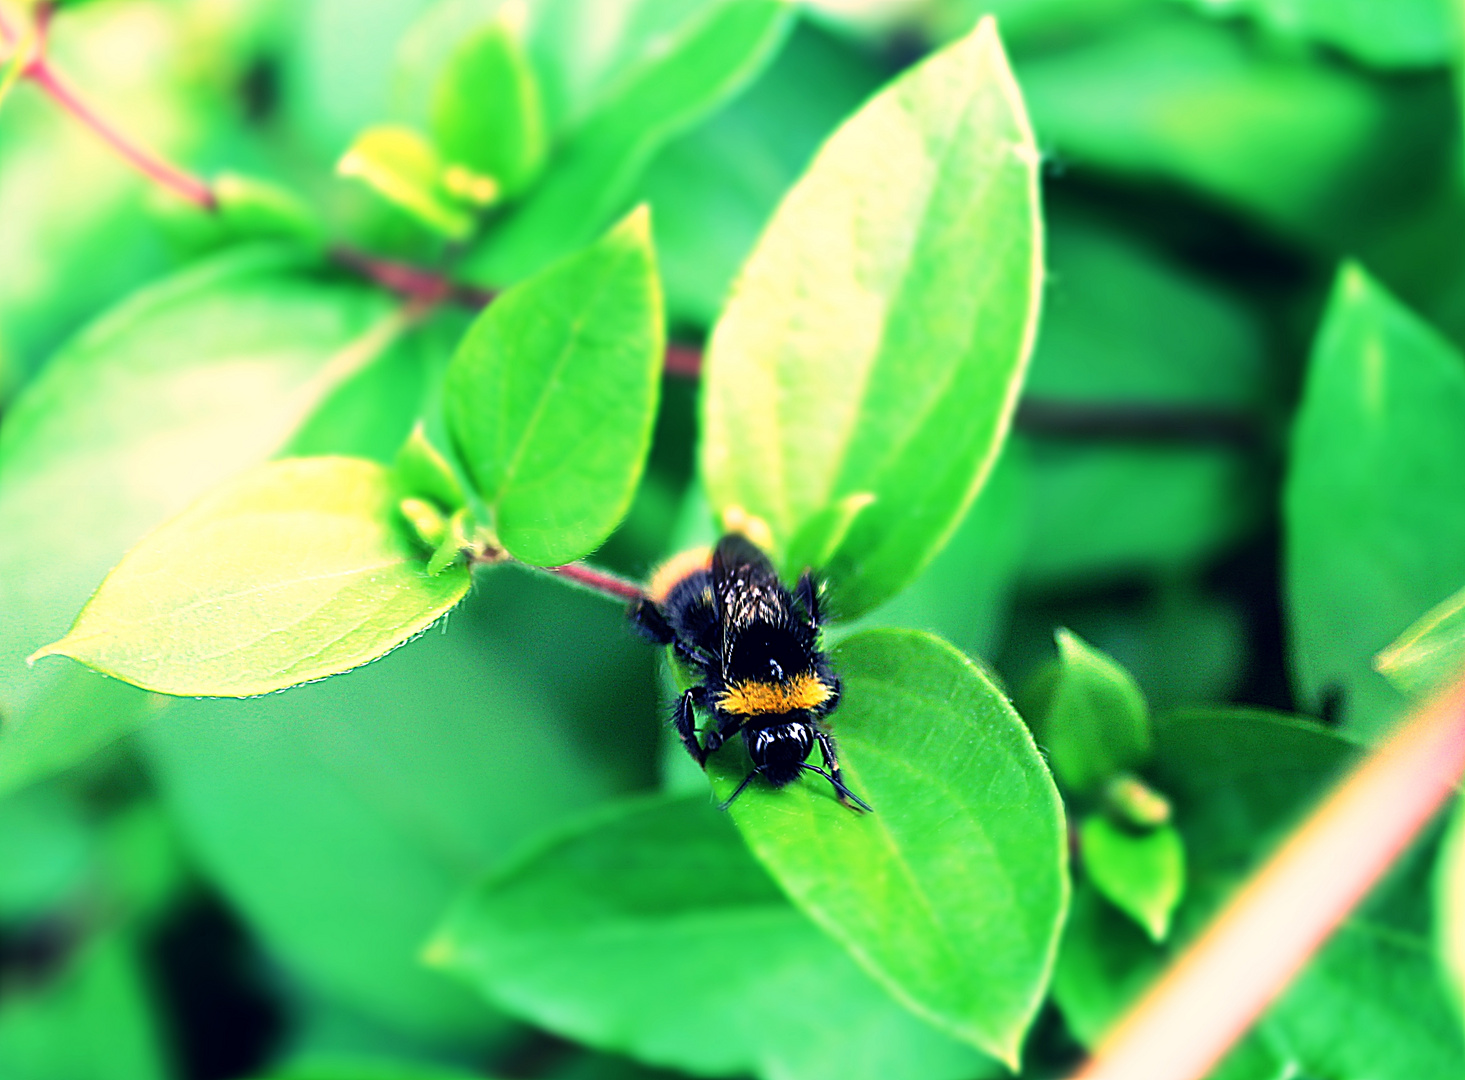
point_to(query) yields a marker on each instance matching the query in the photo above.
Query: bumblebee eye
(776, 670)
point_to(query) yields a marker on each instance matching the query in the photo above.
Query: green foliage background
(1231, 493)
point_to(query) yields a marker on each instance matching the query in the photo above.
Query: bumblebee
(756, 647)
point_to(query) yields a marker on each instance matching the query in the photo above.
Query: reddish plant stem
(411, 282)
(1213, 994)
(160, 172)
(600, 581)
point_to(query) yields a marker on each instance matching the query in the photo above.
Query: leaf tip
(56, 648)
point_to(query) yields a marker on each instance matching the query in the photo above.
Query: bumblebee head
(778, 750)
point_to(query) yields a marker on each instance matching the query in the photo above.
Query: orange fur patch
(675, 569)
(763, 698)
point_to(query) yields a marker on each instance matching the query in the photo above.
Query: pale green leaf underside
(552, 396)
(877, 337)
(294, 571)
(952, 892)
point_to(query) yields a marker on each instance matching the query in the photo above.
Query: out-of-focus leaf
(403, 167)
(1399, 34)
(296, 570)
(596, 930)
(1317, 151)
(963, 593)
(552, 396)
(341, 818)
(180, 388)
(672, 72)
(248, 207)
(1141, 873)
(1122, 327)
(1430, 654)
(1092, 718)
(1368, 1005)
(48, 853)
(78, 234)
(93, 1022)
(865, 348)
(713, 189)
(964, 940)
(1374, 506)
(487, 113)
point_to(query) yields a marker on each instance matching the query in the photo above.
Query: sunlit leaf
(552, 396)
(180, 388)
(952, 892)
(877, 337)
(405, 168)
(294, 571)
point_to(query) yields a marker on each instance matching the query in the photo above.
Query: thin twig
(600, 581)
(1220, 986)
(412, 282)
(39, 71)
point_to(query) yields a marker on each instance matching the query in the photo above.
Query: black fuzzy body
(755, 647)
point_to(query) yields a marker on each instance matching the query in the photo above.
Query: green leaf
(1399, 34)
(952, 892)
(888, 361)
(187, 384)
(674, 64)
(1449, 909)
(1367, 1007)
(251, 208)
(487, 113)
(1092, 719)
(552, 396)
(1124, 326)
(404, 168)
(1141, 873)
(294, 571)
(1373, 505)
(422, 469)
(713, 189)
(1319, 152)
(94, 1019)
(342, 818)
(1430, 654)
(596, 930)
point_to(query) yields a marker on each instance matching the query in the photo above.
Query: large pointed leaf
(179, 388)
(875, 341)
(650, 930)
(952, 892)
(297, 570)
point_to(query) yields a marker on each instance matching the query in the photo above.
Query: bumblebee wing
(739, 567)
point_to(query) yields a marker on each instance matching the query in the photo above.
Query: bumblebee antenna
(843, 792)
(746, 781)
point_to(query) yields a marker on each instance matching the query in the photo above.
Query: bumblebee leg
(807, 594)
(685, 719)
(691, 654)
(739, 789)
(727, 726)
(646, 617)
(834, 776)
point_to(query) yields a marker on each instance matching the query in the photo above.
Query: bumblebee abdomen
(757, 697)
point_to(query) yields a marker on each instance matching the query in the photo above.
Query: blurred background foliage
(245, 888)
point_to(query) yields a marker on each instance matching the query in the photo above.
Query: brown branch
(1220, 986)
(409, 281)
(1133, 422)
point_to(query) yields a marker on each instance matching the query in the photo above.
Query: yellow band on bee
(761, 698)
